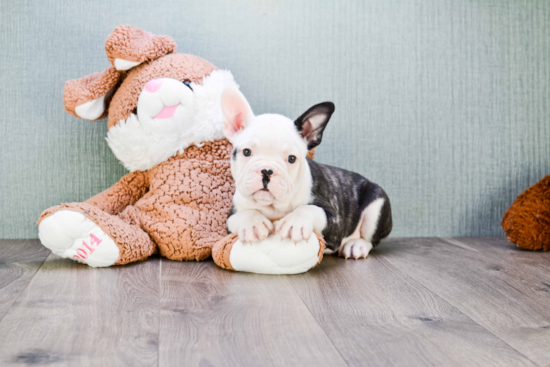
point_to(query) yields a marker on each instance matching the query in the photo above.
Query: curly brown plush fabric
(134, 44)
(222, 250)
(79, 91)
(125, 192)
(322, 246)
(527, 221)
(179, 206)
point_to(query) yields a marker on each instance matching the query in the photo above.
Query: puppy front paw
(295, 227)
(254, 227)
(357, 248)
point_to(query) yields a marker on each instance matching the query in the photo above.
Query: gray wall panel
(444, 103)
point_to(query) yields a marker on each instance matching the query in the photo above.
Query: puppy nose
(265, 176)
(153, 85)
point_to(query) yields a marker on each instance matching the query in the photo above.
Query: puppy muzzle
(265, 181)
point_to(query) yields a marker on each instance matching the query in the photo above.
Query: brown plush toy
(527, 221)
(166, 126)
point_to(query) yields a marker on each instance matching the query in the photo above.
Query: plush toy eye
(291, 158)
(188, 84)
(247, 152)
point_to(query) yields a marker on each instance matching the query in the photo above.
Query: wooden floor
(412, 302)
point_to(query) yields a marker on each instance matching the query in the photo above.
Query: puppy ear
(237, 113)
(312, 123)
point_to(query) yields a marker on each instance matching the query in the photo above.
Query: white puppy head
(268, 161)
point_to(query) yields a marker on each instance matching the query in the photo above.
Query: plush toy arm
(269, 256)
(274, 254)
(125, 192)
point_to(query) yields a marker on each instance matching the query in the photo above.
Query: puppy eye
(247, 152)
(291, 158)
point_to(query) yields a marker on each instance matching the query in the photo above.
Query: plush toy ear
(128, 46)
(312, 123)
(89, 97)
(237, 113)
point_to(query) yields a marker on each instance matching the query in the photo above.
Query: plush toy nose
(153, 85)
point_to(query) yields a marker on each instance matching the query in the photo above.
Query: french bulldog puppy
(275, 181)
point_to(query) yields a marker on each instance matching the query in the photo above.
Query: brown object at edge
(527, 221)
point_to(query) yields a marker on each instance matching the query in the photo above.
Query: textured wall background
(445, 103)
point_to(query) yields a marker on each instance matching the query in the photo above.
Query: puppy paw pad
(356, 249)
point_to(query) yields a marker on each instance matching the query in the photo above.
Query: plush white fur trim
(139, 148)
(91, 110)
(121, 64)
(273, 256)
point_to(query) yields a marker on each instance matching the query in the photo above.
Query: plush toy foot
(355, 248)
(269, 256)
(71, 235)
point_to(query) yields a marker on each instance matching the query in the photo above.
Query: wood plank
(534, 265)
(19, 261)
(74, 315)
(504, 289)
(377, 316)
(214, 317)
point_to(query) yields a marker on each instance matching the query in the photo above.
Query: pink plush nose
(153, 85)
